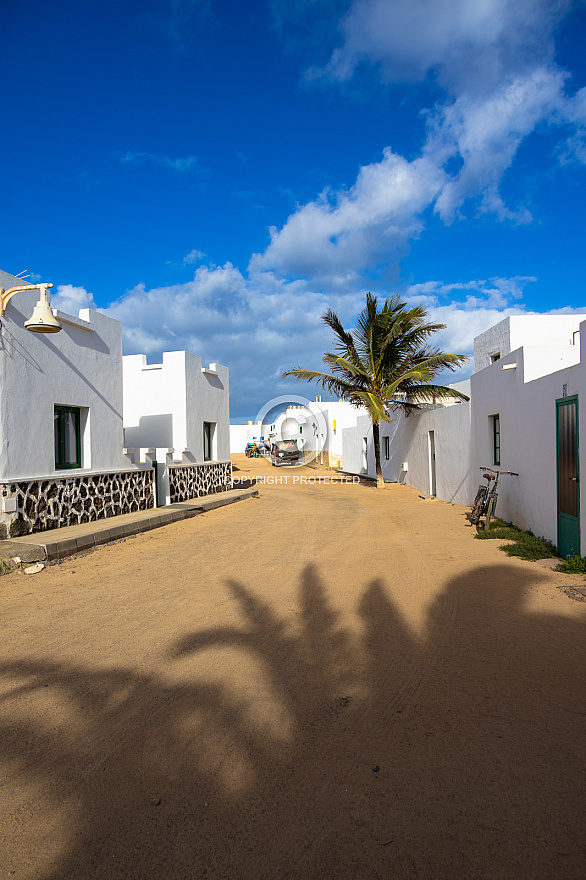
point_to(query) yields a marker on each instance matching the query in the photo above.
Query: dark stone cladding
(188, 481)
(55, 502)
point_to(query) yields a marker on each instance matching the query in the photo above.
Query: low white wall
(239, 437)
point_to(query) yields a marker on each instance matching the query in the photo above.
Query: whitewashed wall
(527, 410)
(338, 415)
(166, 404)
(208, 400)
(524, 397)
(353, 447)
(520, 330)
(80, 366)
(240, 435)
(409, 444)
(451, 425)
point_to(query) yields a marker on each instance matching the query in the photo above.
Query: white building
(61, 445)
(178, 411)
(526, 418)
(241, 435)
(427, 448)
(523, 416)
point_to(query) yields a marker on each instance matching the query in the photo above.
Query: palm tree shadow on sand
(476, 727)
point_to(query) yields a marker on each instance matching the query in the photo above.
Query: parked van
(284, 452)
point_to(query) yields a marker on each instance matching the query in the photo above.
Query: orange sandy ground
(248, 668)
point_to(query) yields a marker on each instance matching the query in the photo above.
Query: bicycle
(486, 497)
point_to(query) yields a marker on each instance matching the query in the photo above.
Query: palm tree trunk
(380, 483)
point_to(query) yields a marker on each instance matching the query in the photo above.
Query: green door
(568, 468)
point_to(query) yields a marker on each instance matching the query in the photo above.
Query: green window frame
(387, 447)
(496, 439)
(67, 430)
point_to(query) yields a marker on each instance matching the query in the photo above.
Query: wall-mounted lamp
(509, 367)
(42, 320)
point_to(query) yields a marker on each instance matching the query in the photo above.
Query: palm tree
(386, 363)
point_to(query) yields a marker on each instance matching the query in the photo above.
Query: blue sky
(217, 174)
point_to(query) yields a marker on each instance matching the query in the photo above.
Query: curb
(55, 547)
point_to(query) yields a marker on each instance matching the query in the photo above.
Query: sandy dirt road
(209, 700)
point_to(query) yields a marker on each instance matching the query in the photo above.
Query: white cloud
(486, 133)
(193, 257)
(262, 325)
(340, 234)
(494, 293)
(70, 299)
(258, 329)
(184, 164)
(494, 58)
(575, 113)
(470, 46)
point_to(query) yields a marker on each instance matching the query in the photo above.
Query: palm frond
(335, 385)
(386, 362)
(376, 409)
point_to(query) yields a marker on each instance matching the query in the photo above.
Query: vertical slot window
(386, 448)
(66, 423)
(207, 441)
(496, 439)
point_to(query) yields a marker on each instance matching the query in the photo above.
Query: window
(66, 422)
(495, 357)
(207, 441)
(386, 447)
(496, 439)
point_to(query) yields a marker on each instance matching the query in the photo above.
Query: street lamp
(42, 320)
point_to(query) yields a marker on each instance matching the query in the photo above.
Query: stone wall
(55, 502)
(188, 481)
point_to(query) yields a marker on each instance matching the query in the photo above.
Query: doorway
(568, 475)
(432, 479)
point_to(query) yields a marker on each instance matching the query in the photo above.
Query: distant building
(178, 413)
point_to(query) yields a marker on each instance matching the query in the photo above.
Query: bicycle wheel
(490, 509)
(480, 494)
(478, 507)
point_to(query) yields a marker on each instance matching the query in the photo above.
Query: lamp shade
(43, 320)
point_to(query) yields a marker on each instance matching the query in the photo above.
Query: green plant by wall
(573, 565)
(525, 545)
